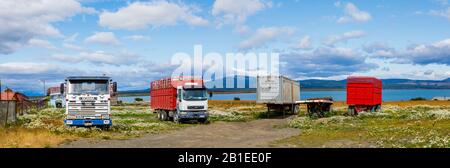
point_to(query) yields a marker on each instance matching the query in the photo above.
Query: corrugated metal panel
(277, 90)
(164, 93)
(364, 91)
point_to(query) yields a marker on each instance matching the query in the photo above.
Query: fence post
(7, 113)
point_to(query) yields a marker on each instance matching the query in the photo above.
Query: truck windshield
(88, 87)
(194, 94)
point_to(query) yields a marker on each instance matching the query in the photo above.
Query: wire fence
(8, 113)
(10, 109)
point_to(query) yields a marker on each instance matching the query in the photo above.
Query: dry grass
(242, 110)
(421, 124)
(30, 138)
(403, 103)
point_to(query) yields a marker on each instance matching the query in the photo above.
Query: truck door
(178, 97)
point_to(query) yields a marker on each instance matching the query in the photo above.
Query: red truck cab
(363, 94)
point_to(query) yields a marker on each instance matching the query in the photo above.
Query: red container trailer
(179, 99)
(363, 94)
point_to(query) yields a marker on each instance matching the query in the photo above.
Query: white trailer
(279, 93)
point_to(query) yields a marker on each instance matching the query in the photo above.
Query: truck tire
(159, 115)
(164, 116)
(203, 120)
(105, 127)
(176, 119)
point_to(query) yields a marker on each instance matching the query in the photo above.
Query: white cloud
(103, 38)
(325, 62)
(332, 40)
(71, 38)
(140, 15)
(443, 2)
(380, 50)
(23, 20)
(137, 38)
(73, 47)
(435, 53)
(41, 43)
(25, 76)
(444, 13)
(263, 35)
(25, 68)
(304, 43)
(236, 12)
(353, 14)
(99, 57)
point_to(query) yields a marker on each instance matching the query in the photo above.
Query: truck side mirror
(114, 87)
(61, 88)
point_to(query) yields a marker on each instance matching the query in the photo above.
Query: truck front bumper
(193, 114)
(87, 122)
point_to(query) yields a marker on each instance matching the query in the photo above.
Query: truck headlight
(69, 122)
(105, 116)
(71, 117)
(105, 121)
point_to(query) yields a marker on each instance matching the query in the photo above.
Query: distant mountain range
(387, 84)
(317, 84)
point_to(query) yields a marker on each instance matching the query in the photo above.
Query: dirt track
(258, 133)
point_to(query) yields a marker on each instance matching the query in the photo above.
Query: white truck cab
(192, 103)
(88, 100)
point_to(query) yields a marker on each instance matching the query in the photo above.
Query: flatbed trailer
(317, 106)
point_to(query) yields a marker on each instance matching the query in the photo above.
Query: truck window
(89, 87)
(194, 94)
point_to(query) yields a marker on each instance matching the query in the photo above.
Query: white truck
(180, 99)
(279, 93)
(88, 100)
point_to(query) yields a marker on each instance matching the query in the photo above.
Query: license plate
(202, 116)
(88, 124)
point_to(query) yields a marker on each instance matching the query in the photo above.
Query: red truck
(363, 94)
(179, 99)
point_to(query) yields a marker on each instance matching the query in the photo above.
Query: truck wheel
(159, 115)
(176, 119)
(164, 116)
(203, 120)
(105, 127)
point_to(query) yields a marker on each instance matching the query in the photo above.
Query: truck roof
(88, 78)
(362, 79)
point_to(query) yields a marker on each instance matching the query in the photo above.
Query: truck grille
(87, 108)
(196, 107)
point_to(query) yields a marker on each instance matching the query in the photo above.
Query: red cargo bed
(164, 92)
(364, 91)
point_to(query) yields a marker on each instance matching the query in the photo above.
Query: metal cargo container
(363, 94)
(278, 92)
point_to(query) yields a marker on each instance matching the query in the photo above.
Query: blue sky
(133, 41)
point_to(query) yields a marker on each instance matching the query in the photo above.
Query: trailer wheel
(378, 109)
(351, 111)
(296, 109)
